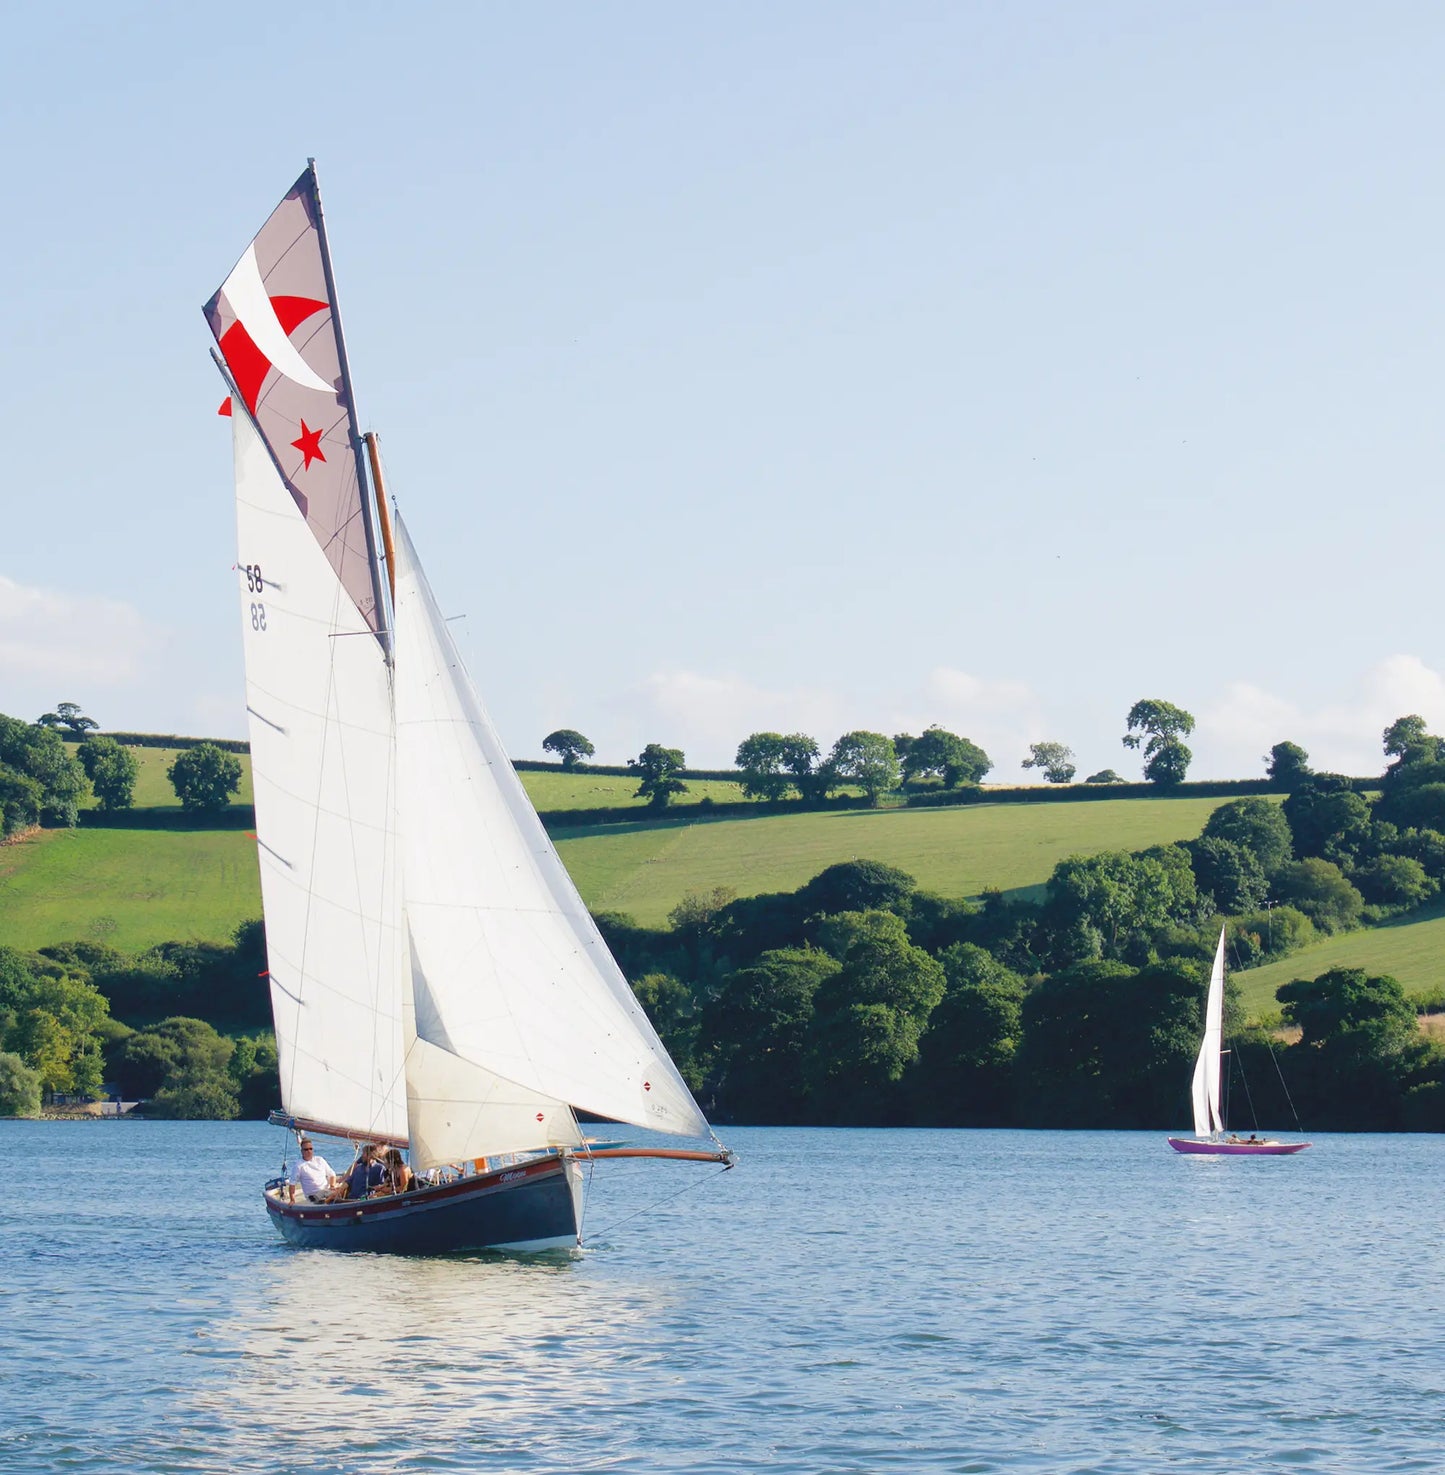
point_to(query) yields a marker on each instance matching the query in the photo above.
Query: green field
(550, 790)
(153, 789)
(135, 886)
(128, 888)
(647, 868)
(1412, 951)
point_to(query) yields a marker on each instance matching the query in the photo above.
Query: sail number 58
(255, 583)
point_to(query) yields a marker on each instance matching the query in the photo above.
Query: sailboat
(436, 981)
(1210, 1135)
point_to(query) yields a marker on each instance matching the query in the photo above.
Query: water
(844, 1301)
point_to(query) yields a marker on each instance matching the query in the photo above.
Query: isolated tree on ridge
(1161, 727)
(1054, 760)
(569, 745)
(69, 716)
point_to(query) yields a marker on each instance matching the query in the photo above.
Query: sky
(795, 367)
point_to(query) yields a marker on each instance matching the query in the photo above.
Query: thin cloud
(1236, 732)
(69, 640)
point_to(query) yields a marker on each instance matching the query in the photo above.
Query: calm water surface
(843, 1301)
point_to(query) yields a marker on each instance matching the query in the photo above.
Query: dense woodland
(859, 998)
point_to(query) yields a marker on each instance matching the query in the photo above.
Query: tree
(869, 1016)
(1097, 905)
(1161, 727)
(1054, 760)
(1356, 1034)
(204, 778)
(69, 716)
(569, 745)
(19, 1087)
(1106, 776)
(37, 754)
(51, 1017)
(964, 1075)
(868, 760)
(1327, 818)
(181, 1067)
(814, 780)
(1319, 889)
(669, 1004)
(1228, 873)
(1395, 880)
(657, 769)
(1287, 764)
(1254, 825)
(1407, 742)
(761, 760)
(946, 756)
(1105, 1045)
(856, 886)
(758, 1025)
(112, 771)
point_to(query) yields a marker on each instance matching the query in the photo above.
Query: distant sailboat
(1210, 1135)
(436, 981)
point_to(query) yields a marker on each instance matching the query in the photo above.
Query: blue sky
(800, 367)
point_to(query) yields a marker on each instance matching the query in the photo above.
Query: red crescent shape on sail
(248, 365)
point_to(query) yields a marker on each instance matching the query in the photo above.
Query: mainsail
(319, 710)
(1205, 1085)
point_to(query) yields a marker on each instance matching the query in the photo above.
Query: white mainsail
(511, 976)
(322, 750)
(1206, 1082)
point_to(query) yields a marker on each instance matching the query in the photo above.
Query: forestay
(510, 974)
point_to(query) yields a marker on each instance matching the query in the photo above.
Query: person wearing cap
(313, 1174)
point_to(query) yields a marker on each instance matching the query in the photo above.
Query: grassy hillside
(128, 888)
(647, 868)
(1412, 951)
(136, 886)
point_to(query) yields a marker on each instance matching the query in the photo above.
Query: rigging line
(1283, 1084)
(658, 1203)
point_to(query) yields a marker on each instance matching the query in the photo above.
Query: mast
(369, 498)
(374, 454)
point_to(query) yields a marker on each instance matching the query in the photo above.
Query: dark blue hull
(534, 1206)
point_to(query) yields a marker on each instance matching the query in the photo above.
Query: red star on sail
(309, 445)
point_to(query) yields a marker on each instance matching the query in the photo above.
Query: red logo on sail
(248, 365)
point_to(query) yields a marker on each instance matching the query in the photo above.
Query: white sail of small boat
(436, 981)
(1207, 1084)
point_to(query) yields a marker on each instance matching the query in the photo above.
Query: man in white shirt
(312, 1174)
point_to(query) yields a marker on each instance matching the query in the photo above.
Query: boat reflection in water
(455, 1360)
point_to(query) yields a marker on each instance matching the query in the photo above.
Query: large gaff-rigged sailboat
(436, 981)
(1206, 1087)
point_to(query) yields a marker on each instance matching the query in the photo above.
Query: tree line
(44, 782)
(184, 1027)
(774, 766)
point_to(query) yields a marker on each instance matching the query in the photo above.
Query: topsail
(278, 330)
